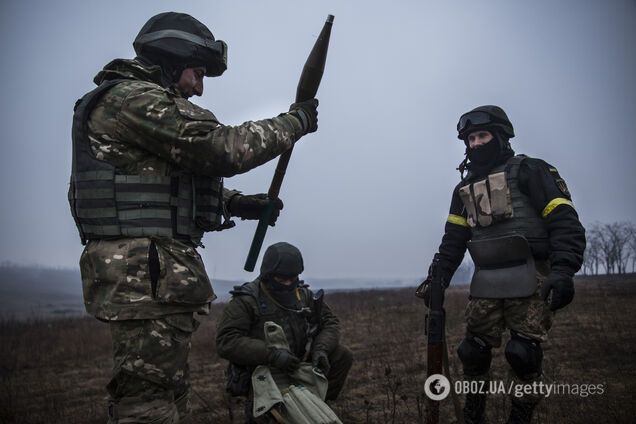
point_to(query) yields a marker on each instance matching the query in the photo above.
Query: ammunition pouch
(504, 268)
(239, 379)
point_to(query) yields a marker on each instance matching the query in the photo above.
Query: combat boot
(521, 412)
(474, 408)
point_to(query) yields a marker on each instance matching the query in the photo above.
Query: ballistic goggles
(470, 119)
(217, 47)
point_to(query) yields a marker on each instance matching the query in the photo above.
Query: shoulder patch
(560, 182)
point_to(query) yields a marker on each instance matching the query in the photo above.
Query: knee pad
(524, 356)
(475, 355)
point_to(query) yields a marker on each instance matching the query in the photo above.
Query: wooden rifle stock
(435, 322)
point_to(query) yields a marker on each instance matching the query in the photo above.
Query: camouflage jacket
(144, 129)
(240, 337)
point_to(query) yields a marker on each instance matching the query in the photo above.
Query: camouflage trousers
(530, 316)
(489, 318)
(151, 381)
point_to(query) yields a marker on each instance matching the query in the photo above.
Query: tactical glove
(320, 360)
(283, 360)
(307, 114)
(424, 291)
(252, 206)
(562, 288)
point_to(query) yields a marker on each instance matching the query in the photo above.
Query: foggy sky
(368, 194)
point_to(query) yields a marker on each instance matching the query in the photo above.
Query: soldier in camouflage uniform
(312, 330)
(516, 217)
(147, 182)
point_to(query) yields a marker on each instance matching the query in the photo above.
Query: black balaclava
(285, 295)
(284, 260)
(491, 154)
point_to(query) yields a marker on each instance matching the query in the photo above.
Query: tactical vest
(496, 207)
(295, 324)
(507, 233)
(108, 204)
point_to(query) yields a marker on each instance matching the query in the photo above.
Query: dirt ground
(55, 371)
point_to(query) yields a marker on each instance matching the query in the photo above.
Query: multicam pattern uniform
(144, 129)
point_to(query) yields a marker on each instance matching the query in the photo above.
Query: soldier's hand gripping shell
(307, 114)
(562, 288)
(252, 206)
(320, 360)
(284, 360)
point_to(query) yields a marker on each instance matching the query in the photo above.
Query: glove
(562, 288)
(252, 206)
(284, 360)
(320, 360)
(307, 114)
(424, 291)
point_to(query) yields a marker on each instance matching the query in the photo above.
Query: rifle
(435, 323)
(306, 90)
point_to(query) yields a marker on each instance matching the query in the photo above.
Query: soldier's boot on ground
(474, 408)
(521, 412)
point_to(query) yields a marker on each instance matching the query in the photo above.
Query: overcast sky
(368, 194)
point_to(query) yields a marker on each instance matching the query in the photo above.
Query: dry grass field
(55, 371)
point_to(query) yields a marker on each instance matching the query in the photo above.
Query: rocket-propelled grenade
(307, 88)
(315, 65)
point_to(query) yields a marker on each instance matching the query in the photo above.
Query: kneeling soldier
(277, 295)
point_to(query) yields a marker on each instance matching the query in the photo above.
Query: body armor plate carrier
(108, 204)
(504, 226)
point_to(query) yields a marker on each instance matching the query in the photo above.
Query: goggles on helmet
(475, 118)
(217, 47)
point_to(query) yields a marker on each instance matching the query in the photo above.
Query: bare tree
(592, 256)
(612, 246)
(631, 243)
(619, 236)
(606, 255)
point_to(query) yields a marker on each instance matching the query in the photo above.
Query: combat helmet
(282, 259)
(182, 38)
(486, 117)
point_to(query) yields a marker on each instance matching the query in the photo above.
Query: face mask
(280, 287)
(485, 154)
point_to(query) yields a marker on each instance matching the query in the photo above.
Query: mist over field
(44, 292)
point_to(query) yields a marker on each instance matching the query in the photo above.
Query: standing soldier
(515, 215)
(147, 182)
(277, 295)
